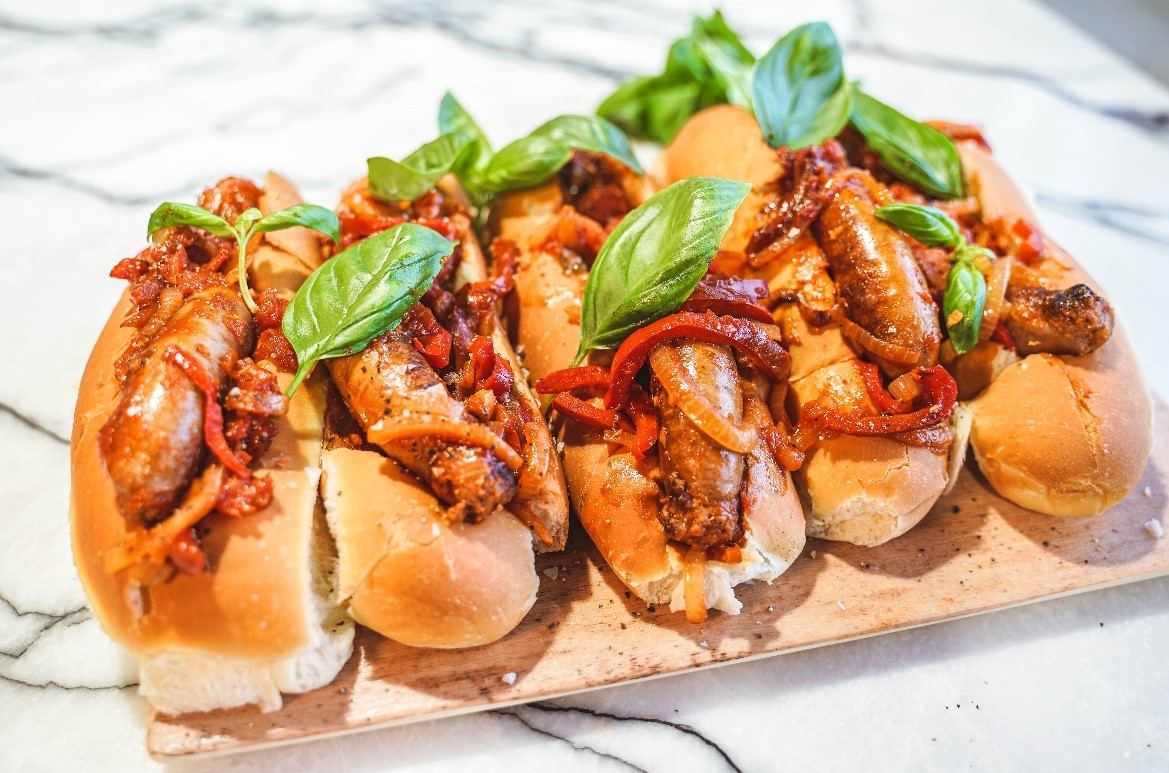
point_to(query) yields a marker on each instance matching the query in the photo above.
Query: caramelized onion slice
(447, 429)
(694, 584)
(996, 297)
(668, 367)
(537, 457)
(902, 355)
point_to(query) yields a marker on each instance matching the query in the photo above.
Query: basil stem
(655, 258)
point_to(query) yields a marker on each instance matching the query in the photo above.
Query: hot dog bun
(262, 620)
(864, 490)
(408, 573)
(1060, 435)
(615, 495)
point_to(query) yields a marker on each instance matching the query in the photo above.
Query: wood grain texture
(973, 553)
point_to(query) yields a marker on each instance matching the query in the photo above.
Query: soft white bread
(409, 574)
(263, 620)
(1059, 435)
(864, 490)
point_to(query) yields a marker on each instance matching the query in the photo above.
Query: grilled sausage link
(882, 289)
(152, 444)
(702, 479)
(391, 380)
(1072, 321)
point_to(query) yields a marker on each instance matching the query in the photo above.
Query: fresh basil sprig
(707, 67)
(463, 149)
(247, 225)
(965, 296)
(655, 258)
(361, 293)
(912, 151)
(801, 96)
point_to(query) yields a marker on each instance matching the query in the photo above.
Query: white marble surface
(110, 107)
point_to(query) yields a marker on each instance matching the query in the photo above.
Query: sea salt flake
(509, 677)
(1154, 529)
(841, 605)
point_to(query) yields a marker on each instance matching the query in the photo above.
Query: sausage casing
(152, 443)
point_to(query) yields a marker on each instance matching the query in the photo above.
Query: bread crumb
(770, 608)
(1154, 529)
(813, 554)
(551, 572)
(509, 677)
(840, 604)
(1148, 492)
(703, 644)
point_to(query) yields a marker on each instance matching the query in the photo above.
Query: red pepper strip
(586, 414)
(938, 391)
(886, 403)
(212, 413)
(765, 354)
(726, 306)
(1031, 240)
(583, 377)
(186, 554)
(430, 338)
(501, 378)
(645, 421)
(1003, 336)
(488, 369)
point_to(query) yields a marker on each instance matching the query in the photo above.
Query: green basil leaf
(918, 154)
(728, 60)
(417, 173)
(171, 213)
(243, 223)
(361, 293)
(655, 258)
(454, 119)
(524, 163)
(586, 132)
(964, 301)
(655, 108)
(801, 96)
(929, 225)
(976, 254)
(316, 218)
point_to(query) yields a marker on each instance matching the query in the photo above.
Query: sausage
(1072, 321)
(881, 286)
(702, 479)
(152, 443)
(391, 379)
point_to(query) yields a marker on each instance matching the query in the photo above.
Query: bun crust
(258, 622)
(1094, 409)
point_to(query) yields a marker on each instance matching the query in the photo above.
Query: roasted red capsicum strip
(939, 393)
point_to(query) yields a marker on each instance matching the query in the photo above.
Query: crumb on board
(840, 604)
(551, 572)
(509, 677)
(1154, 529)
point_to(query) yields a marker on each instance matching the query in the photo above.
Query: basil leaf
(929, 225)
(728, 60)
(417, 173)
(801, 96)
(916, 153)
(963, 304)
(655, 108)
(361, 293)
(310, 216)
(524, 163)
(586, 132)
(655, 258)
(171, 213)
(454, 119)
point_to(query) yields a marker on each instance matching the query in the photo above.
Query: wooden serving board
(973, 553)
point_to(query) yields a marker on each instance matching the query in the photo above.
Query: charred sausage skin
(152, 444)
(881, 287)
(391, 380)
(1073, 321)
(702, 480)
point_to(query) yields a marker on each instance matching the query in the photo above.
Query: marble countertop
(112, 107)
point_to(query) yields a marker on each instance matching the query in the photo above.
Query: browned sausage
(152, 444)
(1072, 321)
(391, 380)
(882, 288)
(701, 478)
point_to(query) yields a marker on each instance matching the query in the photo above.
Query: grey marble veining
(112, 107)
